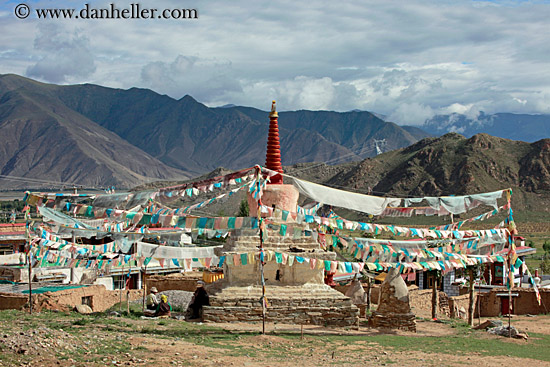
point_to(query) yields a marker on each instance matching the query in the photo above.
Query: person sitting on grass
(152, 301)
(164, 308)
(200, 298)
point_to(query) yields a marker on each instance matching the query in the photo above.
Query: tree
(545, 266)
(244, 210)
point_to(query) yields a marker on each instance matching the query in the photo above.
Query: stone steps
(274, 239)
(315, 295)
(344, 314)
(306, 315)
(314, 290)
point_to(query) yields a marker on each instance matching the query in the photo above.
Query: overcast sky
(406, 59)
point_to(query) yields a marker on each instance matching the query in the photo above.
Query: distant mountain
(355, 131)
(188, 135)
(183, 134)
(448, 165)
(523, 127)
(43, 139)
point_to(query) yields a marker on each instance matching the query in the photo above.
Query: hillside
(448, 165)
(183, 134)
(45, 140)
(188, 135)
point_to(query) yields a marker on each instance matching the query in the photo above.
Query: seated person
(200, 298)
(152, 301)
(164, 308)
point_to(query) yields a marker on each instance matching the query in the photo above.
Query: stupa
(295, 294)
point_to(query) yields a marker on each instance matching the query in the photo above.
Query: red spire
(273, 155)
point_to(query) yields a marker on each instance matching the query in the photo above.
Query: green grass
(470, 342)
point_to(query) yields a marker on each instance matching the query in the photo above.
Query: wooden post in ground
(368, 293)
(471, 299)
(434, 296)
(29, 253)
(510, 300)
(144, 288)
(29, 260)
(482, 272)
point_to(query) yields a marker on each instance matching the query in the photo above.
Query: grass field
(70, 339)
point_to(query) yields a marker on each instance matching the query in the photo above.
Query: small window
(6, 249)
(119, 282)
(87, 300)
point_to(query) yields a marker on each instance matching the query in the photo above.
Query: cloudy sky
(406, 59)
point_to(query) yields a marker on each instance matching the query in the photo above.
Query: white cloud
(201, 78)
(406, 60)
(412, 113)
(62, 55)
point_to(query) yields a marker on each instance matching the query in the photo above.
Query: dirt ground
(135, 342)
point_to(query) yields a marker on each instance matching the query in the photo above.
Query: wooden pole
(262, 276)
(29, 254)
(260, 225)
(144, 288)
(434, 296)
(120, 293)
(510, 301)
(29, 260)
(471, 299)
(368, 293)
(482, 271)
(72, 274)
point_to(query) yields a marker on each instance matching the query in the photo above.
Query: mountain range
(97, 136)
(447, 165)
(523, 127)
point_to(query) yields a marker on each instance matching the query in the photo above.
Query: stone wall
(458, 303)
(421, 303)
(524, 303)
(183, 282)
(339, 315)
(12, 301)
(448, 287)
(310, 304)
(100, 299)
(287, 275)
(491, 304)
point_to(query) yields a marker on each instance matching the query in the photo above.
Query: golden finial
(273, 110)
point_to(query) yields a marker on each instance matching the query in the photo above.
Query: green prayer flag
(284, 215)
